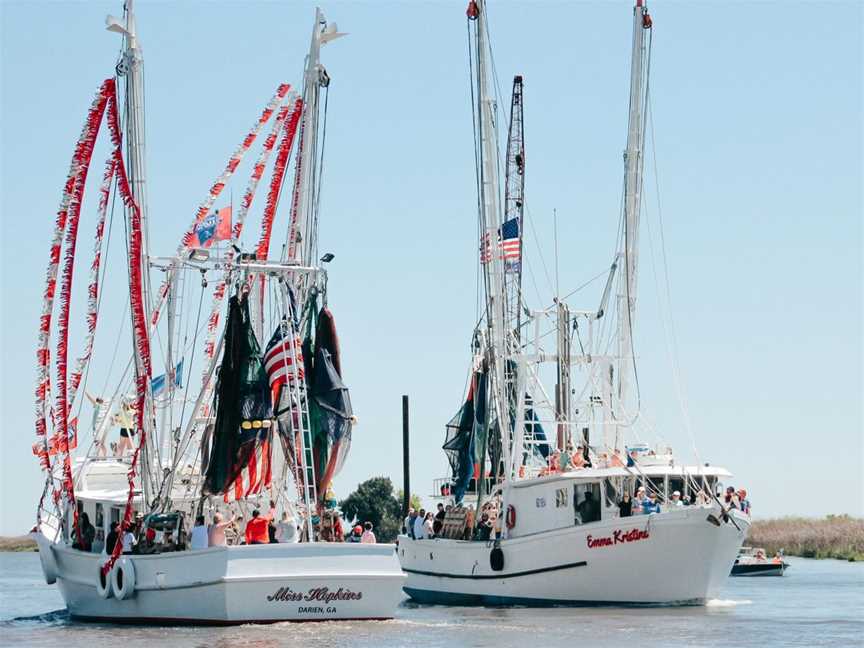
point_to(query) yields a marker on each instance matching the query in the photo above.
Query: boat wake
(57, 617)
(726, 603)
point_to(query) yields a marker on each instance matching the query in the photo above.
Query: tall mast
(131, 66)
(490, 227)
(301, 244)
(633, 163)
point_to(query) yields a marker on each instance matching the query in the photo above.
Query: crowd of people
(144, 537)
(643, 503)
(424, 525)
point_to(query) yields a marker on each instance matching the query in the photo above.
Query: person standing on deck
(216, 534)
(199, 538)
(257, 529)
(368, 537)
(638, 500)
(286, 530)
(125, 419)
(419, 519)
(625, 506)
(100, 410)
(409, 522)
(439, 519)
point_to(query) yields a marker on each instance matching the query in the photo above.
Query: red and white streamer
(72, 201)
(72, 188)
(93, 286)
(216, 189)
(140, 331)
(276, 180)
(248, 196)
(295, 201)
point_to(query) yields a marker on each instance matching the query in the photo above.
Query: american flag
(256, 474)
(279, 358)
(508, 243)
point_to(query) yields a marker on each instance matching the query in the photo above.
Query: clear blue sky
(758, 119)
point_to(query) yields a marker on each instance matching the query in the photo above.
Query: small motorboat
(753, 561)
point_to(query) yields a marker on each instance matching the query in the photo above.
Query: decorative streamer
(140, 330)
(72, 200)
(80, 158)
(93, 287)
(248, 196)
(276, 181)
(215, 190)
(295, 200)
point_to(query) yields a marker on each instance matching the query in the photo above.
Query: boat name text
(323, 594)
(618, 536)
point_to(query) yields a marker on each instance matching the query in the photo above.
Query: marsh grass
(835, 536)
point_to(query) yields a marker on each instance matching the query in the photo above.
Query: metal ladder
(299, 399)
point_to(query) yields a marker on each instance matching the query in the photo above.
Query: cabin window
(115, 516)
(586, 508)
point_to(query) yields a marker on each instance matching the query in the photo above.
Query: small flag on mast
(213, 227)
(509, 245)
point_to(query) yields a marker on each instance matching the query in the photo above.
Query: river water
(817, 603)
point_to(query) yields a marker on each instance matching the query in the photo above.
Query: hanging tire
(103, 581)
(496, 559)
(123, 579)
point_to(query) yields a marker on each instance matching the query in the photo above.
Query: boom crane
(514, 207)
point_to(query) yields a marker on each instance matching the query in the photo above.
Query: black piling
(406, 470)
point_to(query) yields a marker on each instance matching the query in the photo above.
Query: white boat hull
(231, 585)
(673, 558)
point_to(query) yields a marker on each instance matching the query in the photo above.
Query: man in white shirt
(286, 530)
(419, 532)
(408, 522)
(128, 541)
(199, 534)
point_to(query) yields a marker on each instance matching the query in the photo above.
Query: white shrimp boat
(258, 431)
(562, 534)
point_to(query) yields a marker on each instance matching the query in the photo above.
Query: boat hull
(675, 558)
(759, 569)
(232, 585)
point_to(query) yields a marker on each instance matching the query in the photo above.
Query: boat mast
(490, 227)
(302, 240)
(131, 66)
(633, 163)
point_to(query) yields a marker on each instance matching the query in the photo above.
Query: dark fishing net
(241, 401)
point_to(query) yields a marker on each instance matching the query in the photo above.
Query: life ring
(123, 579)
(510, 520)
(103, 580)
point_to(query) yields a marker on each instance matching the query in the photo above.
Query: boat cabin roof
(594, 474)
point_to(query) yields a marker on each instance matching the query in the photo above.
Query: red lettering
(618, 536)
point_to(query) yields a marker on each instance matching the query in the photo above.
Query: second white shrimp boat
(560, 537)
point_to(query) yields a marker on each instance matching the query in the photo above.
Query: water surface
(818, 603)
